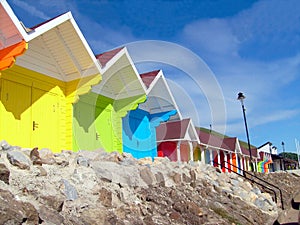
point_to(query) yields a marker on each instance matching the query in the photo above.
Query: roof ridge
(42, 23)
(149, 77)
(105, 57)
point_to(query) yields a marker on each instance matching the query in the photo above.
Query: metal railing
(222, 164)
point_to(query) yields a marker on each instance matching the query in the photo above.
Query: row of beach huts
(56, 93)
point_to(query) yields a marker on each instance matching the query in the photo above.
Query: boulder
(146, 175)
(19, 159)
(50, 216)
(16, 212)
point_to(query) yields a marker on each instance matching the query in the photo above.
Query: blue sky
(209, 51)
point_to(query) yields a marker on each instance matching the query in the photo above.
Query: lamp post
(283, 155)
(241, 98)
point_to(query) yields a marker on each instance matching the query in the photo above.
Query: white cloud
(211, 35)
(267, 20)
(220, 41)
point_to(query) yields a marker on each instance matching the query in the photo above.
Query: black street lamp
(283, 155)
(241, 98)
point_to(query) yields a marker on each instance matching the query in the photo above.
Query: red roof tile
(173, 130)
(216, 141)
(149, 77)
(245, 151)
(106, 56)
(230, 142)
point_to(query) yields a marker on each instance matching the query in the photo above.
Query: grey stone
(160, 179)
(42, 172)
(18, 159)
(256, 191)
(147, 175)
(82, 161)
(69, 190)
(47, 157)
(116, 173)
(4, 145)
(234, 182)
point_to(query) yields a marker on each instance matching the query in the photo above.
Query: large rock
(146, 175)
(4, 173)
(50, 216)
(16, 212)
(114, 172)
(19, 159)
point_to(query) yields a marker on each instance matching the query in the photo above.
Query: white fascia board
(114, 59)
(136, 72)
(215, 148)
(175, 139)
(48, 26)
(153, 83)
(14, 19)
(193, 129)
(237, 146)
(171, 95)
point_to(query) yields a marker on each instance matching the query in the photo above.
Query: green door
(85, 136)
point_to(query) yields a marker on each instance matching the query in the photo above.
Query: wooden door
(85, 136)
(15, 113)
(103, 125)
(45, 119)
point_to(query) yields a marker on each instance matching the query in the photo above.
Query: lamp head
(241, 96)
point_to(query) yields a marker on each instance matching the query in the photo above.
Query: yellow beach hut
(38, 91)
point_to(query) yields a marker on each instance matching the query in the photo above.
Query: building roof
(267, 143)
(11, 40)
(9, 30)
(120, 78)
(57, 48)
(148, 77)
(104, 57)
(176, 131)
(216, 141)
(245, 150)
(173, 130)
(159, 95)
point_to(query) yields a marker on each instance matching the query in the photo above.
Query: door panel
(45, 119)
(103, 125)
(15, 120)
(84, 135)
